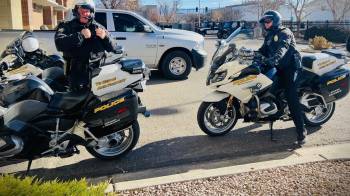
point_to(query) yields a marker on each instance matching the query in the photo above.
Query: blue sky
(194, 3)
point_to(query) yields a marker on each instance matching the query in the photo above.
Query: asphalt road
(171, 135)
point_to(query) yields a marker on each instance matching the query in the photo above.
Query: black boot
(301, 137)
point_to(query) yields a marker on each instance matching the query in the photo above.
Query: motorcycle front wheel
(117, 144)
(212, 121)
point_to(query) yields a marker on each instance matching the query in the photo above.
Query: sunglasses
(267, 21)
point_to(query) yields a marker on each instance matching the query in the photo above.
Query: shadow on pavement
(169, 110)
(245, 145)
(158, 78)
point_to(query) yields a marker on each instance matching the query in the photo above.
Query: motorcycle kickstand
(272, 136)
(29, 165)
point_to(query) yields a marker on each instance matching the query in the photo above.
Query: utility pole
(199, 13)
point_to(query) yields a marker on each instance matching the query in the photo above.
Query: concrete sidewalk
(299, 156)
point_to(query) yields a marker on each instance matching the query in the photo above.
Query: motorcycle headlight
(219, 76)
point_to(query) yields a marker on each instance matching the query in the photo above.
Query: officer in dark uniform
(279, 50)
(82, 39)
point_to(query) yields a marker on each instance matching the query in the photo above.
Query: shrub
(319, 43)
(337, 35)
(29, 186)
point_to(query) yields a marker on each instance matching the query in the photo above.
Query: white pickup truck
(172, 51)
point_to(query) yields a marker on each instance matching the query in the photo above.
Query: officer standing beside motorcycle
(279, 50)
(81, 39)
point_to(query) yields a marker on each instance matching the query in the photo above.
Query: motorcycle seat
(67, 101)
(132, 66)
(308, 60)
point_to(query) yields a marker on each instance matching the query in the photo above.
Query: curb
(299, 156)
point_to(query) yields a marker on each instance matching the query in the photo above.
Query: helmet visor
(266, 19)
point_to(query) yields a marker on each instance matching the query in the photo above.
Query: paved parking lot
(171, 135)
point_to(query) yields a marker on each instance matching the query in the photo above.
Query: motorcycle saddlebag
(334, 85)
(119, 109)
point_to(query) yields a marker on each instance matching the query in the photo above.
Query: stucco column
(48, 15)
(60, 14)
(27, 9)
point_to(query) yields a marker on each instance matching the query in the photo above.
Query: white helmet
(30, 44)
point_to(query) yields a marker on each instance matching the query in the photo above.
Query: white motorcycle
(241, 91)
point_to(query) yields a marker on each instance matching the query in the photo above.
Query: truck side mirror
(147, 29)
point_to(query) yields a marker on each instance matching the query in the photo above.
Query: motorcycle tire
(310, 123)
(136, 133)
(201, 120)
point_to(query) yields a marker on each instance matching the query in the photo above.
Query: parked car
(227, 28)
(208, 28)
(172, 51)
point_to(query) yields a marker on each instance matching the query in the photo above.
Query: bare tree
(168, 9)
(265, 5)
(216, 15)
(121, 4)
(153, 15)
(237, 15)
(339, 8)
(299, 8)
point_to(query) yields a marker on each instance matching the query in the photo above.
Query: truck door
(129, 32)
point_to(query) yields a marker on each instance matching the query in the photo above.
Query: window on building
(127, 23)
(101, 18)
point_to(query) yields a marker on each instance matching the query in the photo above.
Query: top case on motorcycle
(67, 101)
(132, 66)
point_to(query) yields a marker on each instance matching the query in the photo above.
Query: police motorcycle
(21, 64)
(241, 90)
(24, 52)
(103, 119)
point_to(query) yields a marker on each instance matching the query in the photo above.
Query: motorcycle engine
(245, 56)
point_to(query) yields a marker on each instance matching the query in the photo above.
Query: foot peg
(144, 111)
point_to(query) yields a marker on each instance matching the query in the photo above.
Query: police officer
(279, 50)
(82, 39)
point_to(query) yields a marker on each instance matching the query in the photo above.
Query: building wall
(38, 19)
(10, 9)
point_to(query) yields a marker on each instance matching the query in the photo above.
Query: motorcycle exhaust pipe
(10, 146)
(143, 110)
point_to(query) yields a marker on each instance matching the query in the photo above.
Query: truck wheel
(176, 65)
(219, 34)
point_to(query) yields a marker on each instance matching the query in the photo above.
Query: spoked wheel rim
(319, 113)
(115, 143)
(177, 66)
(216, 122)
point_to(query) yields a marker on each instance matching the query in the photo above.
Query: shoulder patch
(275, 38)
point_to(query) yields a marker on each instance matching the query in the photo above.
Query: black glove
(269, 62)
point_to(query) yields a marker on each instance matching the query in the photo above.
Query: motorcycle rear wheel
(111, 151)
(208, 114)
(319, 116)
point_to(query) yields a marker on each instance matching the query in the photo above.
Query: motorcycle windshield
(225, 48)
(14, 47)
